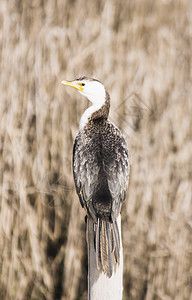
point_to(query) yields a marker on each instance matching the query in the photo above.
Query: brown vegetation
(141, 51)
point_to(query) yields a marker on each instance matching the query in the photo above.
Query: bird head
(92, 89)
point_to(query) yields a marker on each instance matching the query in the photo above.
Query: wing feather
(117, 168)
(85, 171)
(108, 151)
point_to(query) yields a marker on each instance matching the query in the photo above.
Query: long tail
(107, 246)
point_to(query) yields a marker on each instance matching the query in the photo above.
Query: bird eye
(83, 84)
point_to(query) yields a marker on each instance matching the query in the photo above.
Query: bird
(100, 170)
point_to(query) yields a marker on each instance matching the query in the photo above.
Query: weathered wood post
(100, 287)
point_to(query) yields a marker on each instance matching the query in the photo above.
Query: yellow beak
(75, 84)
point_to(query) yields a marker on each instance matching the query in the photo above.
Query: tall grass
(141, 51)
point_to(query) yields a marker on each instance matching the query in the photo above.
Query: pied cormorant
(101, 170)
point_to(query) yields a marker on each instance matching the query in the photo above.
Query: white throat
(96, 94)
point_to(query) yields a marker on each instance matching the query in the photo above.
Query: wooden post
(99, 285)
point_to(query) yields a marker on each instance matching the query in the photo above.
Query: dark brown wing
(116, 166)
(103, 152)
(85, 170)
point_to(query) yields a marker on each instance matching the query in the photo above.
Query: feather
(107, 246)
(101, 171)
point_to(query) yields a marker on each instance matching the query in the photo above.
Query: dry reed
(141, 51)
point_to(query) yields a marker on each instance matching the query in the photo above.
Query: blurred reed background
(142, 52)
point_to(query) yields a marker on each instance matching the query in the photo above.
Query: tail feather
(97, 243)
(115, 232)
(109, 264)
(107, 246)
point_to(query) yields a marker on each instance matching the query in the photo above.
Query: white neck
(87, 114)
(97, 97)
